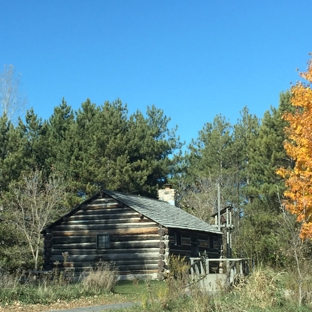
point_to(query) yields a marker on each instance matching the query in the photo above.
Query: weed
(102, 277)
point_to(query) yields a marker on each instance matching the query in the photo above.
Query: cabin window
(177, 239)
(102, 241)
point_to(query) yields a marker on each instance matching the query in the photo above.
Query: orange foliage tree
(299, 147)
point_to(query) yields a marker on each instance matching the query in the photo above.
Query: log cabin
(137, 233)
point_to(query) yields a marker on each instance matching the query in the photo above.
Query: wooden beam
(109, 231)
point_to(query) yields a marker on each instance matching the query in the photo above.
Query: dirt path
(79, 305)
(97, 308)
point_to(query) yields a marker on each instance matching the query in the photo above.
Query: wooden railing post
(207, 266)
(202, 271)
(192, 269)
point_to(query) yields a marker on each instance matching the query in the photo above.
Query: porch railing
(231, 268)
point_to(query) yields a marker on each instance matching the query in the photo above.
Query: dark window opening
(177, 239)
(102, 241)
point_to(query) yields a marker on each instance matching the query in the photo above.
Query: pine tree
(59, 134)
(208, 162)
(262, 217)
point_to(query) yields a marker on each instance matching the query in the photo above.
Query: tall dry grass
(57, 285)
(102, 277)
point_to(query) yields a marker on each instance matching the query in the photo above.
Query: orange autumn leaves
(299, 147)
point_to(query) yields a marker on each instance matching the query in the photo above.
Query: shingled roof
(159, 211)
(163, 212)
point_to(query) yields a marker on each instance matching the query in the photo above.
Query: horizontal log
(142, 267)
(107, 221)
(172, 246)
(103, 206)
(107, 211)
(103, 201)
(149, 230)
(185, 241)
(191, 233)
(204, 244)
(138, 237)
(105, 252)
(117, 262)
(123, 214)
(75, 246)
(113, 245)
(69, 227)
(103, 257)
(78, 271)
(140, 272)
(113, 238)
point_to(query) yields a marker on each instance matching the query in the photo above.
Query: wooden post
(219, 217)
(207, 266)
(202, 271)
(196, 268)
(192, 269)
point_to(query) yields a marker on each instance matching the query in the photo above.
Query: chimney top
(167, 194)
(168, 186)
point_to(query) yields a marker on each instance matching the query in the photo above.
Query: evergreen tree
(245, 134)
(262, 217)
(151, 148)
(59, 134)
(208, 162)
(35, 141)
(114, 151)
(269, 154)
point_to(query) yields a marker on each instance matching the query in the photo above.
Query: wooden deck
(214, 274)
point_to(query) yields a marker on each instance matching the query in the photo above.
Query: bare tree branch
(12, 102)
(33, 203)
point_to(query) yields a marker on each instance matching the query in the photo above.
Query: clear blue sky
(193, 59)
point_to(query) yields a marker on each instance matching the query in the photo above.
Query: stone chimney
(167, 194)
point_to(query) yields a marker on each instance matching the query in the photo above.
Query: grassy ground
(264, 290)
(38, 297)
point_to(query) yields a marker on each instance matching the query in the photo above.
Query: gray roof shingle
(163, 213)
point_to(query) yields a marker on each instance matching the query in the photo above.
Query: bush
(102, 277)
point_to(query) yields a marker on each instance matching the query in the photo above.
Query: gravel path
(98, 308)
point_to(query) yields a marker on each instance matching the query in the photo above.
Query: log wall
(135, 241)
(137, 245)
(194, 243)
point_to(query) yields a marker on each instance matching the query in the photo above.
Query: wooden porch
(214, 274)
